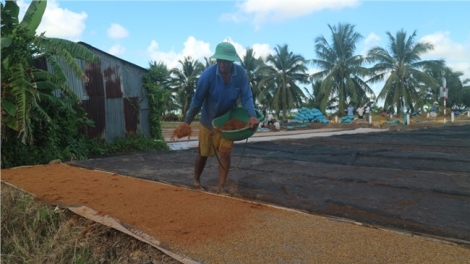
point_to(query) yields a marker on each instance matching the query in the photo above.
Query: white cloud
(237, 17)
(116, 50)
(263, 11)
(241, 51)
(170, 58)
(455, 54)
(370, 41)
(116, 31)
(197, 49)
(262, 50)
(58, 22)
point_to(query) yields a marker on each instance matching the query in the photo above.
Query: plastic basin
(240, 114)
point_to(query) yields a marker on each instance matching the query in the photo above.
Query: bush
(15, 153)
(134, 143)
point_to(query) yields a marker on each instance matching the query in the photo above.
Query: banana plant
(24, 85)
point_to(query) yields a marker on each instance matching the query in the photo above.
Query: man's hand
(183, 130)
(253, 122)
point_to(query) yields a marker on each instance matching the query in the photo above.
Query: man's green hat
(225, 51)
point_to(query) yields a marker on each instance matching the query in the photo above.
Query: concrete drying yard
(415, 181)
(327, 195)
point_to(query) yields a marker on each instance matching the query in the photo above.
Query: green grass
(34, 232)
(170, 124)
(175, 124)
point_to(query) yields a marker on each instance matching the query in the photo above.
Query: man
(218, 90)
(264, 111)
(360, 112)
(367, 111)
(350, 110)
(434, 110)
(271, 119)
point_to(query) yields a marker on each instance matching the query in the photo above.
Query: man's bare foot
(198, 185)
(222, 191)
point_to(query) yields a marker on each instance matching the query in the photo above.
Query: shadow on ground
(416, 181)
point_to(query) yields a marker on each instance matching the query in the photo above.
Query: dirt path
(216, 229)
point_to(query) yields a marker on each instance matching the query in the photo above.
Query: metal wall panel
(77, 85)
(113, 95)
(144, 126)
(115, 122)
(131, 114)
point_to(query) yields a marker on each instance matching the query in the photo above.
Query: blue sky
(145, 31)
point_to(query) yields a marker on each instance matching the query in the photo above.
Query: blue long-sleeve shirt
(214, 98)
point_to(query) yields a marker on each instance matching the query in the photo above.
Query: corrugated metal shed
(113, 96)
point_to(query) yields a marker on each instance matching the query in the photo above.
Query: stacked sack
(306, 115)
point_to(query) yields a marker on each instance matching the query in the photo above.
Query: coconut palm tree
(23, 84)
(184, 81)
(402, 69)
(340, 68)
(430, 94)
(252, 66)
(465, 95)
(282, 72)
(208, 62)
(455, 86)
(315, 97)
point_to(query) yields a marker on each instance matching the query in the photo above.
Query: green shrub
(15, 153)
(134, 143)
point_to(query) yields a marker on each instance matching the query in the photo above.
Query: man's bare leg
(198, 169)
(224, 167)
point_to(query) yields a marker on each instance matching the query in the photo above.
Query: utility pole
(444, 93)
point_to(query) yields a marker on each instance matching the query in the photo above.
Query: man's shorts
(209, 139)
